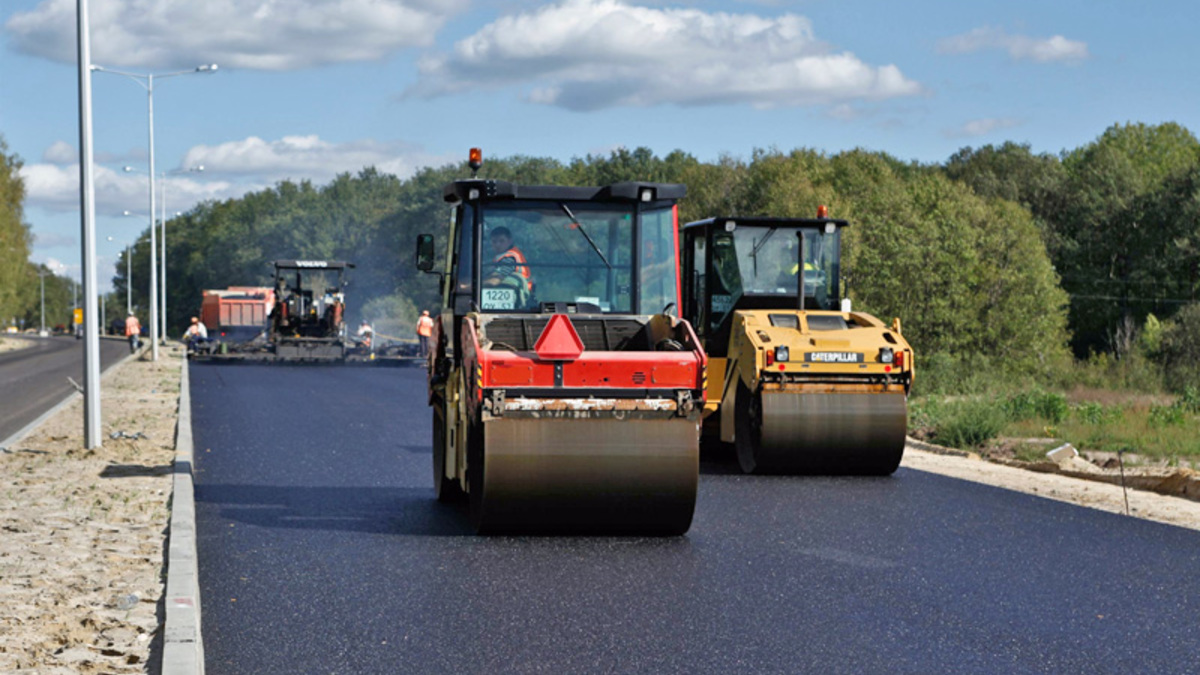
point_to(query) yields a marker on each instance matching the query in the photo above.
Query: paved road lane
(322, 550)
(33, 380)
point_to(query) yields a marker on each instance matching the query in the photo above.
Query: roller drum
(830, 433)
(606, 475)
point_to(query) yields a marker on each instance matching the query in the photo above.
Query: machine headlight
(886, 355)
(781, 353)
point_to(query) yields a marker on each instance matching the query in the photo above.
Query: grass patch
(1155, 431)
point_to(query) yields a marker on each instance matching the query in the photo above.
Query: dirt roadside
(1083, 492)
(82, 532)
(13, 344)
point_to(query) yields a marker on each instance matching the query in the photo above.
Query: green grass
(1154, 431)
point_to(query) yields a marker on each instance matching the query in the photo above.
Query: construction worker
(365, 334)
(509, 268)
(133, 331)
(195, 334)
(424, 332)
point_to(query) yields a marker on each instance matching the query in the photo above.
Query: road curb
(183, 649)
(29, 428)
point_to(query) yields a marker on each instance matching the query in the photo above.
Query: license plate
(499, 298)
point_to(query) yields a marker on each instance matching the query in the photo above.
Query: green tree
(1107, 237)
(1180, 349)
(15, 239)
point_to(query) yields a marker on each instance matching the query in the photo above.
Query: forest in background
(1004, 264)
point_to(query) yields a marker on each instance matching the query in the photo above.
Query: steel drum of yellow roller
(599, 475)
(788, 432)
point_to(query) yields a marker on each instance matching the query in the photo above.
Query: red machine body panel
(236, 307)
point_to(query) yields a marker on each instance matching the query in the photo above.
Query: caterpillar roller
(801, 383)
(565, 398)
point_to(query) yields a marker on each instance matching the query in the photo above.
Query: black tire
(475, 468)
(747, 432)
(447, 490)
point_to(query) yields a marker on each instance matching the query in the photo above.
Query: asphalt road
(34, 379)
(322, 550)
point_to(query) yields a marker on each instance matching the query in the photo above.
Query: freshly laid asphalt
(322, 550)
(33, 380)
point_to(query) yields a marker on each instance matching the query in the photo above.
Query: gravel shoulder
(82, 532)
(1091, 493)
(13, 344)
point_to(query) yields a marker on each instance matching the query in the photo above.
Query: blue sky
(310, 88)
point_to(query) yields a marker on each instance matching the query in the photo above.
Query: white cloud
(982, 127)
(61, 152)
(299, 157)
(230, 170)
(56, 188)
(591, 54)
(257, 34)
(1019, 47)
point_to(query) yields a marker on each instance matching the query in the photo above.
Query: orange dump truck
(237, 313)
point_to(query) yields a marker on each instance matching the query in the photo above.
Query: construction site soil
(13, 344)
(83, 532)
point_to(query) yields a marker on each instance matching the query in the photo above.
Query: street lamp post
(164, 243)
(42, 278)
(87, 202)
(146, 80)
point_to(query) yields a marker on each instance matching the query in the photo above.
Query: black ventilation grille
(597, 334)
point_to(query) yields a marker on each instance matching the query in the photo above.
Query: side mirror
(425, 253)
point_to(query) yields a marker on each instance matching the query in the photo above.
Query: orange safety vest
(425, 326)
(522, 265)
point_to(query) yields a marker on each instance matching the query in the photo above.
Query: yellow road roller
(798, 382)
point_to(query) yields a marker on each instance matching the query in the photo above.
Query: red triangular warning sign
(559, 341)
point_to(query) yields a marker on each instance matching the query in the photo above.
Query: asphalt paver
(322, 549)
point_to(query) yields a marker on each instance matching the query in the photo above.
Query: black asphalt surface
(322, 550)
(33, 380)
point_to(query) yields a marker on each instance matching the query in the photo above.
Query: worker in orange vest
(509, 268)
(424, 331)
(133, 331)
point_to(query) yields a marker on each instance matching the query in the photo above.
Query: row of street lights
(158, 330)
(163, 233)
(91, 350)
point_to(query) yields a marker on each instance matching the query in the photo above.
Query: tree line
(21, 281)
(999, 259)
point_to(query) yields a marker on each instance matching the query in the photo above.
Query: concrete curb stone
(183, 649)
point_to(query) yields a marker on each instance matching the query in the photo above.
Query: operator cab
(550, 249)
(758, 263)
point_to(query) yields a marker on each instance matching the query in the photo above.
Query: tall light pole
(197, 169)
(87, 203)
(146, 80)
(42, 278)
(128, 273)
(163, 225)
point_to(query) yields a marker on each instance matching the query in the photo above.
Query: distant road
(34, 379)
